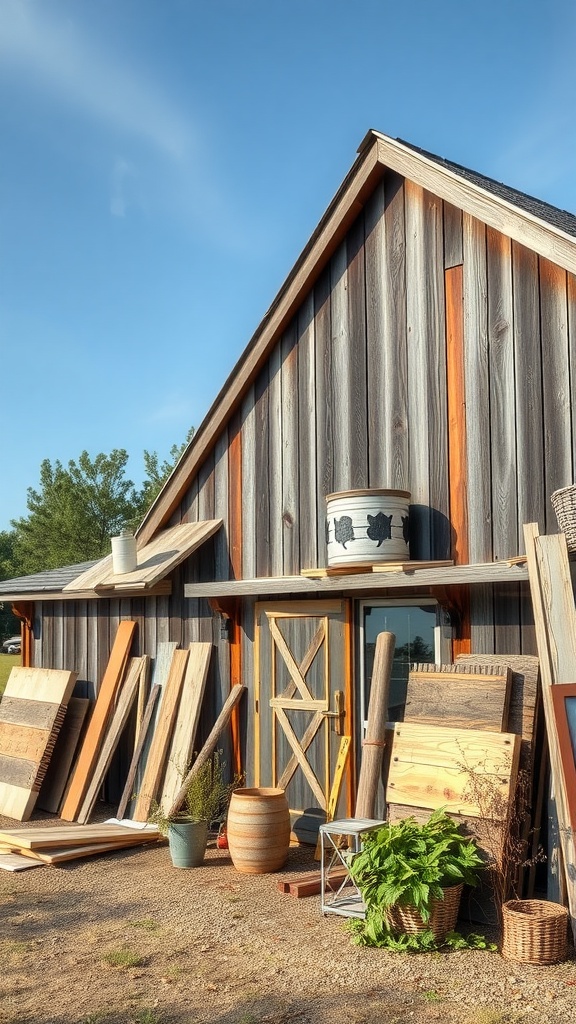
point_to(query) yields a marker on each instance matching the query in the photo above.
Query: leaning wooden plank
(374, 741)
(459, 697)
(136, 668)
(524, 695)
(65, 749)
(43, 837)
(555, 620)
(156, 763)
(460, 769)
(97, 724)
(184, 733)
(145, 725)
(31, 714)
(209, 746)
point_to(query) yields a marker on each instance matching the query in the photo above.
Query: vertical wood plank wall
(356, 392)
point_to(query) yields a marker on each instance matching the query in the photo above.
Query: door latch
(338, 714)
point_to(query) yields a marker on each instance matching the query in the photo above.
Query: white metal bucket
(365, 527)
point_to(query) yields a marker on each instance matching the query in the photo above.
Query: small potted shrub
(410, 876)
(206, 800)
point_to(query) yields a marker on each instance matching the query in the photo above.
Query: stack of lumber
(71, 774)
(452, 750)
(63, 843)
(466, 728)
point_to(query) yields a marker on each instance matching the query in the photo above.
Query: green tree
(158, 472)
(77, 508)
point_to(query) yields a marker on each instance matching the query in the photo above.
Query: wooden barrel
(258, 830)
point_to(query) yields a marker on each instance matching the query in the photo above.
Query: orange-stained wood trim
(24, 611)
(235, 554)
(457, 445)
(457, 455)
(349, 726)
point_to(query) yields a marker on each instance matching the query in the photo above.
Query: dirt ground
(128, 939)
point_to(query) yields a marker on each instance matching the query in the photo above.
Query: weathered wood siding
(355, 394)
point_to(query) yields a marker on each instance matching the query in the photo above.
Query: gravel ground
(128, 938)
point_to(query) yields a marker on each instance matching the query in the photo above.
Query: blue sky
(164, 162)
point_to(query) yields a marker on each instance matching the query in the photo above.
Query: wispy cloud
(60, 57)
(122, 172)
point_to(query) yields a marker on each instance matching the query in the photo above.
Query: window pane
(413, 627)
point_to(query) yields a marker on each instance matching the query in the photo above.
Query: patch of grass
(147, 924)
(431, 996)
(7, 663)
(147, 1016)
(14, 948)
(122, 958)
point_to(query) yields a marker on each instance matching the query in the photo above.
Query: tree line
(78, 507)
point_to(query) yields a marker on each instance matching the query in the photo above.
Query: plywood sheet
(459, 697)
(458, 769)
(155, 560)
(31, 714)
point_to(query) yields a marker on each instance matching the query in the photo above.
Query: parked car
(12, 646)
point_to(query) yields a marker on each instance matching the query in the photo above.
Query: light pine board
(136, 669)
(35, 703)
(46, 837)
(142, 737)
(160, 671)
(90, 749)
(459, 697)
(524, 695)
(433, 767)
(65, 749)
(184, 733)
(157, 754)
(61, 854)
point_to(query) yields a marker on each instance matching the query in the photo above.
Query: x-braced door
(303, 697)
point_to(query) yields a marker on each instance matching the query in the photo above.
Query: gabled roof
(549, 232)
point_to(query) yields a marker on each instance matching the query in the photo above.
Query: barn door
(302, 691)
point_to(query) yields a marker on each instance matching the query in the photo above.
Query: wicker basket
(534, 932)
(564, 505)
(443, 916)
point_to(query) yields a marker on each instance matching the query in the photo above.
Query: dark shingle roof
(49, 580)
(560, 219)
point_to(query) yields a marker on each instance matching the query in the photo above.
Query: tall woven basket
(534, 932)
(407, 920)
(564, 505)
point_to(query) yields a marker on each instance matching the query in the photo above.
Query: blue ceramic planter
(187, 840)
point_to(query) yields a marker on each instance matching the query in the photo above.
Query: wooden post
(206, 752)
(374, 741)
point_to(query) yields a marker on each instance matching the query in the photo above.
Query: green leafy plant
(407, 863)
(207, 796)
